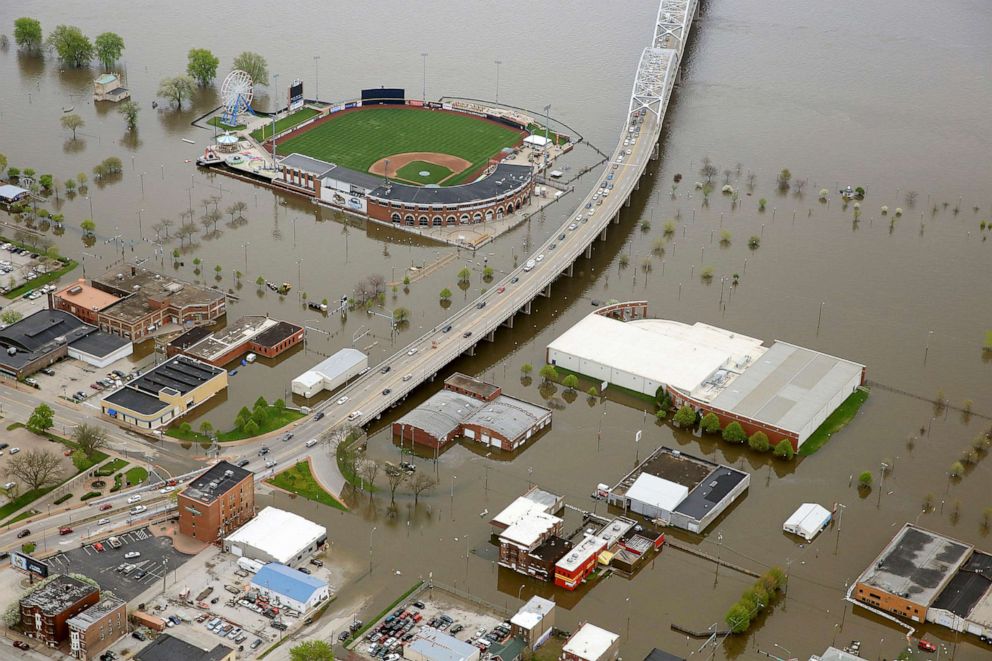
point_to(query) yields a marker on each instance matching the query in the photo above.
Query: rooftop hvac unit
(75, 290)
(120, 276)
(136, 287)
(228, 473)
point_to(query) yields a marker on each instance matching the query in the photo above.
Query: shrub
(734, 433)
(956, 469)
(759, 442)
(710, 424)
(28, 547)
(88, 495)
(865, 480)
(784, 449)
(685, 416)
(62, 499)
(570, 381)
(754, 242)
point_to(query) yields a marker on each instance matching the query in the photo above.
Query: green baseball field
(449, 147)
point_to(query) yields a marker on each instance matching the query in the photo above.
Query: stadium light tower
(498, 62)
(316, 79)
(275, 87)
(424, 55)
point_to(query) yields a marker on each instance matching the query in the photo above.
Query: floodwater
(880, 95)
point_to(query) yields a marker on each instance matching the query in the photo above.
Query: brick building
(46, 611)
(97, 628)
(217, 502)
(253, 333)
(591, 643)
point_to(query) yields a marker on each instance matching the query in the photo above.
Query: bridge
(395, 378)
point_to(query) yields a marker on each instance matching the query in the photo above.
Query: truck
(529, 265)
(250, 565)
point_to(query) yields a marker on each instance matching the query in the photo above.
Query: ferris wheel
(236, 93)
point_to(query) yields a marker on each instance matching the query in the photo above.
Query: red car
(926, 646)
(501, 290)
(98, 547)
(65, 530)
(105, 507)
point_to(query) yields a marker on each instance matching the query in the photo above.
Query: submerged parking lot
(157, 556)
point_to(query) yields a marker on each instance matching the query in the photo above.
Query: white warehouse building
(276, 536)
(784, 390)
(330, 373)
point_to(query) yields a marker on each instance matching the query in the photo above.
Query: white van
(354, 415)
(312, 442)
(529, 265)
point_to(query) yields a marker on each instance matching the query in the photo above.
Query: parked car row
(225, 629)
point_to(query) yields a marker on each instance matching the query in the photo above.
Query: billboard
(296, 95)
(28, 564)
(384, 96)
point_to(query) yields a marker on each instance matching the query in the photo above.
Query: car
(552, 246)
(467, 334)
(571, 228)
(342, 400)
(137, 635)
(271, 463)
(480, 305)
(561, 237)
(303, 569)
(105, 507)
(65, 530)
(539, 257)
(138, 509)
(48, 371)
(103, 522)
(140, 574)
(407, 377)
(21, 645)
(629, 152)
(501, 290)
(98, 547)
(354, 415)
(385, 369)
(24, 533)
(242, 463)
(411, 351)
(263, 451)
(457, 628)
(312, 442)
(446, 328)
(926, 646)
(316, 563)
(166, 489)
(134, 499)
(288, 435)
(14, 450)
(515, 280)
(386, 391)
(320, 414)
(343, 636)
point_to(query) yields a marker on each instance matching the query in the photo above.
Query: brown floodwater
(880, 95)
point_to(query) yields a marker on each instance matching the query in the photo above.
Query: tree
(72, 46)
(487, 273)
(46, 181)
(549, 373)
(41, 419)
(72, 122)
(784, 450)
(420, 483)
(250, 428)
(176, 89)
(708, 170)
(738, 618)
(254, 65)
(312, 650)
(109, 47)
(10, 317)
(464, 274)
(445, 294)
(3, 163)
(570, 381)
(734, 433)
(79, 459)
(784, 177)
(367, 470)
(395, 478)
(956, 470)
(206, 428)
(865, 480)
(129, 111)
(400, 315)
(27, 33)
(526, 369)
(685, 416)
(260, 281)
(89, 438)
(759, 442)
(35, 468)
(87, 225)
(710, 424)
(201, 64)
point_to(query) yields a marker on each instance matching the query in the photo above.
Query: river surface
(883, 95)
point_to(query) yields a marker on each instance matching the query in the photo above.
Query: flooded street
(880, 96)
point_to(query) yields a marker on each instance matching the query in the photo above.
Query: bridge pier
(616, 218)
(655, 152)
(468, 352)
(491, 337)
(570, 270)
(626, 202)
(637, 185)
(546, 292)
(526, 308)
(589, 251)
(508, 322)
(602, 237)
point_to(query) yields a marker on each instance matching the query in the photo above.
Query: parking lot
(19, 265)
(435, 607)
(156, 557)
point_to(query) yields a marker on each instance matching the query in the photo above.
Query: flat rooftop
(442, 413)
(590, 642)
(278, 533)
(143, 291)
(672, 465)
(100, 344)
(589, 546)
(506, 178)
(237, 333)
(535, 500)
(223, 475)
(788, 386)
(528, 529)
(86, 296)
(94, 613)
(136, 400)
(969, 588)
(508, 416)
(439, 646)
(339, 363)
(660, 350)
(916, 565)
(273, 335)
(711, 492)
(472, 385)
(60, 593)
(179, 373)
(43, 331)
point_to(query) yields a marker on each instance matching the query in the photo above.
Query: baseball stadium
(406, 162)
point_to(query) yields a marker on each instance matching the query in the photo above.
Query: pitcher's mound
(420, 167)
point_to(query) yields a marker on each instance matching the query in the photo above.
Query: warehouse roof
(968, 593)
(439, 646)
(135, 400)
(339, 363)
(472, 386)
(710, 492)
(100, 344)
(531, 613)
(506, 178)
(442, 413)
(590, 642)
(661, 655)
(808, 520)
(287, 581)
(657, 492)
(589, 546)
(788, 386)
(44, 330)
(86, 296)
(179, 373)
(668, 352)
(916, 564)
(508, 416)
(278, 533)
(238, 333)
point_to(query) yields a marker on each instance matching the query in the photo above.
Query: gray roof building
(58, 594)
(169, 648)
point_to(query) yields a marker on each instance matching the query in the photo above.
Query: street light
(370, 549)
(141, 233)
(245, 246)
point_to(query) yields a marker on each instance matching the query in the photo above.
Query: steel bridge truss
(672, 26)
(655, 78)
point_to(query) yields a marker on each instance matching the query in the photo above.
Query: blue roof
(287, 581)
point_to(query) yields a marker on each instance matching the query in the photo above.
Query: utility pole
(424, 91)
(498, 62)
(316, 79)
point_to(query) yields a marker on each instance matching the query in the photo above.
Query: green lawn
(276, 419)
(110, 468)
(555, 138)
(24, 499)
(358, 139)
(23, 515)
(300, 481)
(136, 475)
(834, 422)
(298, 117)
(411, 172)
(215, 121)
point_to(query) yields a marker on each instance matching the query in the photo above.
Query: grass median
(299, 480)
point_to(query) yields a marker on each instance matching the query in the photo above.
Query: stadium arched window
(465, 218)
(477, 217)
(450, 220)
(423, 220)
(499, 212)
(436, 221)
(395, 218)
(489, 214)
(409, 219)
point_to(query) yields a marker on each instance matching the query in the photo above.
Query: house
(429, 644)
(255, 333)
(170, 648)
(534, 621)
(97, 628)
(108, 88)
(220, 500)
(46, 611)
(579, 562)
(591, 643)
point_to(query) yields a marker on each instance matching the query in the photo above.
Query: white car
(138, 509)
(14, 450)
(539, 257)
(407, 377)
(629, 152)
(342, 400)
(103, 522)
(166, 489)
(411, 351)
(134, 499)
(132, 554)
(270, 463)
(572, 227)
